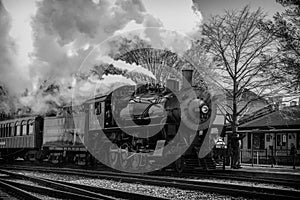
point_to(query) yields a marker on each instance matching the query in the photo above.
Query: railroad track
(289, 180)
(269, 180)
(61, 190)
(188, 184)
(257, 177)
(15, 191)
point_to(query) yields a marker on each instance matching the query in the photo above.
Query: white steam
(64, 34)
(11, 71)
(64, 29)
(130, 68)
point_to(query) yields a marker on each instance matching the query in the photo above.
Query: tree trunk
(234, 141)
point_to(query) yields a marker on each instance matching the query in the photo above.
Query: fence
(267, 156)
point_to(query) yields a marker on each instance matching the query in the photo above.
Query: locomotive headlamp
(204, 109)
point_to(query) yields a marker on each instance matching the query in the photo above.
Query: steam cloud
(10, 69)
(64, 33)
(128, 67)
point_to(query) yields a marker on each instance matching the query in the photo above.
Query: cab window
(98, 108)
(94, 112)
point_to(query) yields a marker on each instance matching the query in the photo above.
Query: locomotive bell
(187, 78)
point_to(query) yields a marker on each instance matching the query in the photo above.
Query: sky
(213, 7)
(174, 14)
(35, 31)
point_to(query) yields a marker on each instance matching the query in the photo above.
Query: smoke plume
(11, 72)
(64, 34)
(66, 31)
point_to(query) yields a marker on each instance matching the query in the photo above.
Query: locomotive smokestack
(187, 78)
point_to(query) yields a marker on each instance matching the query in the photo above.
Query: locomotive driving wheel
(124, 156)
(113, 155)
(135, 161)
(179, 164)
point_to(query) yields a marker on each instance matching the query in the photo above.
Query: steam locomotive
(133, 127)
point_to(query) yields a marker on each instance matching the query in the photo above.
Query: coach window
(24, 128)
(30, 127)
(4, 130)
(1, 130)
(12, 129)
(18, 128)
(8, 130)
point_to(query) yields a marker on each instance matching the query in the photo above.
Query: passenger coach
(20, 136)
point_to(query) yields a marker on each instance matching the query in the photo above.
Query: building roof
(287, 117)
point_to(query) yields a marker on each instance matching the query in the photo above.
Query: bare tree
(203, 65)
(242, 53)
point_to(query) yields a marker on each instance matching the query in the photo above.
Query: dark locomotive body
(135, 121)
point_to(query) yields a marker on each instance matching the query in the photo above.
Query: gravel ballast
(158, 191)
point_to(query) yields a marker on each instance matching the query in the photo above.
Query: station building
(271, 133)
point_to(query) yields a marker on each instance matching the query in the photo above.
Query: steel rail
(259, 177)
(17, 192)
(69, 190)
(290, 180)
(48, 191)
